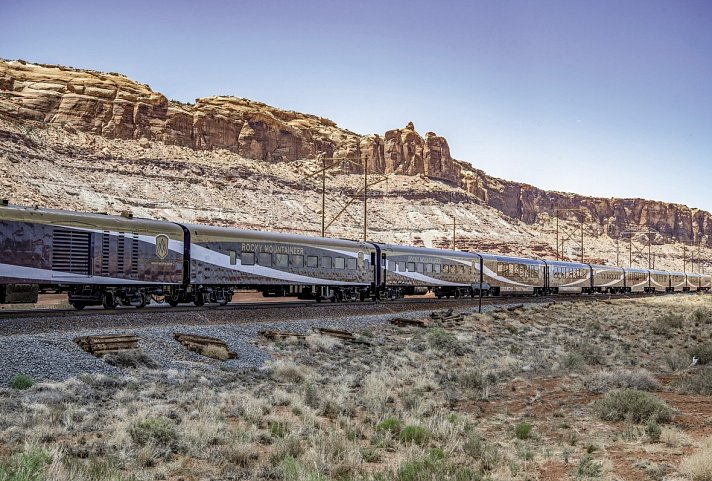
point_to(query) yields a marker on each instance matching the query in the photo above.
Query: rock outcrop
(115, 107)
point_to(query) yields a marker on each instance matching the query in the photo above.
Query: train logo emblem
(161, 246)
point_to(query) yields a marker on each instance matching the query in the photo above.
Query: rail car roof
(659, 271)
(227, 233)
(502, 258)
(427, 251)
(566, 264)
(635, 269)
(85, 219)
(599, 266)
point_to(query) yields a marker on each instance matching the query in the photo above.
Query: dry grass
(698, 466)
(491, 399)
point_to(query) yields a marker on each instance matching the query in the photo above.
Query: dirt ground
(611, 390)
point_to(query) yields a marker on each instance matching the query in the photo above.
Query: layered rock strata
(113, 106)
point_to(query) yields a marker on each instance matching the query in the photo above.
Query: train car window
(281, 260)
(247, 258)
(264, 259)
(436, 268)
(401, 266)
(233, 258)
(428, 268)
(410, 267)
(326, 262)
(419, 267)
(339, 263)
(297, 260)
(312, 261)
(446, 268)
(351, 263)
(462, 269)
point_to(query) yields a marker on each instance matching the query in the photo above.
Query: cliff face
(112, 106)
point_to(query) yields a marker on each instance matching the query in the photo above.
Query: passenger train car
(108, 260)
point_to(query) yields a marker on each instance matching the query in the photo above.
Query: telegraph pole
(453, 232)
(323, 195)
(684, 257)
(649, 256)
(556, 213)
(365, 190)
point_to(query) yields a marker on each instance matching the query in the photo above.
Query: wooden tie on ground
(402, 322)
(344, 335)
(100, 345)
(273, 335)
(200, 344)
(447, 317)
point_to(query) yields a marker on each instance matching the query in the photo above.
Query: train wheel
(109, 301)
(172, 303)
(199, 301)
(78, 305)
(143, 302)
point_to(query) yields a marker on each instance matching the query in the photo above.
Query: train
(112, 260)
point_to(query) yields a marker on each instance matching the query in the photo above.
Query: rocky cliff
(115, 107)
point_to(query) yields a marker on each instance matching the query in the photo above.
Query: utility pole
(618, 242)
(453, 232)
(323, 195)
(365, 191)
(557, 234)
(649, 257)
(630, 247)
(684, 257)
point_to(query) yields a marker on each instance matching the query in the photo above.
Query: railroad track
(53, 320)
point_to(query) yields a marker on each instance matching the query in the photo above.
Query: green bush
(429, 469)
(159, 431)
(698, 383)
(588, 468)
(480, 450)
(21, 381)
(278, 428)
(653, 430)
(27, 466)
(442, 340)
(572, 361)
(703, 353)
(391, 424)
(666, 323)
(632, 405)
(414, 434)
(523, 431)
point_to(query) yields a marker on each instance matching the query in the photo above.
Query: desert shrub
(442, 340)
(697, 466)
(278, 428)
(131, 359)
(242, 455)
(572, 361)
(430, 468)
(311, 395)
(677, 360)
(702, 315)
(482, 451)
(370, 455)
(159, 431)
(632, 405)
(673, 438)
(702, 352)
(391, 424)
(523, 431)
(604, 381)
(698, 383)
(666, 323)
(414, 434)
(288, 372)
(25, 466)
(288, 447)
(21, 381)
(653, 430)
(588, 468)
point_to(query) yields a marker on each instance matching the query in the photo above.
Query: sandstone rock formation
(115, 107)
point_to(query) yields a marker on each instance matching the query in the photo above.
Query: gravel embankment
(53, 355)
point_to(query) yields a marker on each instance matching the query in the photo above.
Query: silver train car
(109, 260)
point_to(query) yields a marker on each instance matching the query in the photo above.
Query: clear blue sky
(606, 98)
